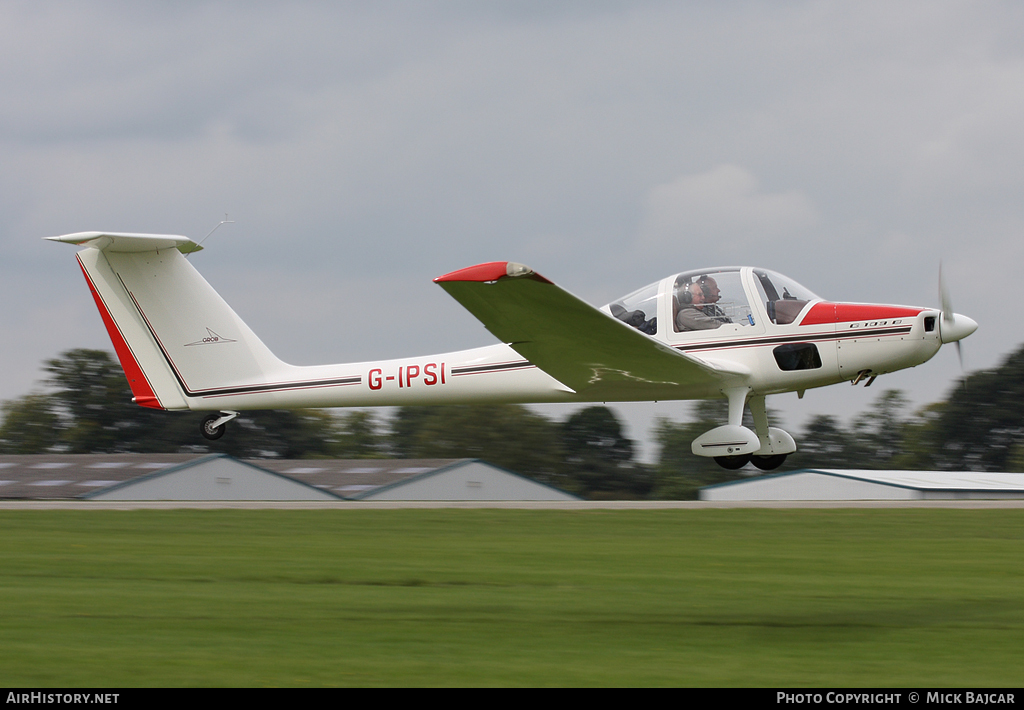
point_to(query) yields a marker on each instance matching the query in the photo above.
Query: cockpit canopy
(707, 299)
(783, 297)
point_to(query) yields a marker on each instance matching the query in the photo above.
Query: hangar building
(222, 477)
(834, 484)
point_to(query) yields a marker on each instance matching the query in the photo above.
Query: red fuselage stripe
(821, 313)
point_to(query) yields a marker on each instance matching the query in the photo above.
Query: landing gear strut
(733, 445)
(213, 427)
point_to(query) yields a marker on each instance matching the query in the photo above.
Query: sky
(363, 149)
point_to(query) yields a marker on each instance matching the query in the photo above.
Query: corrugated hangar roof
(352, 477)
(74, 475)
(159, 476)
(841, 484)
(212, 477)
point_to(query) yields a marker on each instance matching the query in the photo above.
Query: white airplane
(739, 332)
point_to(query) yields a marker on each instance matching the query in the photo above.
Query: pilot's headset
(683, 290)
(702, 280)
(683, 294)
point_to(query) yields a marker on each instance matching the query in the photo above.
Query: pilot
(697, 309)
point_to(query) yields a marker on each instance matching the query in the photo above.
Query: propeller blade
(963, 372)
(954, 327)
(944, 299)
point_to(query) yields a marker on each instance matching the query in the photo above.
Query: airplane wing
(580, 346)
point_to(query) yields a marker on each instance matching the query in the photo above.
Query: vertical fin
(176, 338)
(151, 381)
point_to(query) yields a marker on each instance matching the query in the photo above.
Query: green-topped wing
(580, 346)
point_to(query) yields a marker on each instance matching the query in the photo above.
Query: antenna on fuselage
(223, 221)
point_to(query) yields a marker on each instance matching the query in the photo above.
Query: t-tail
(177, 339)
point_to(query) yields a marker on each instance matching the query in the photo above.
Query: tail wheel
(210, 431)
(733, 462)
(768, 463)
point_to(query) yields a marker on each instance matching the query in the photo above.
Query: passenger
(697, 309)
(637, 319)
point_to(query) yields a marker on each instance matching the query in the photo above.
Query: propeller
(953, 327)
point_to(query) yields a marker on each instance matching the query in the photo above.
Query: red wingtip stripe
(491, 271)
(144, 394)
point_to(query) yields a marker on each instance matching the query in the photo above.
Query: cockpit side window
(708, 300)
(784, 298)
(639, 309)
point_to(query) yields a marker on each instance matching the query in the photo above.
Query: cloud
(724, 203)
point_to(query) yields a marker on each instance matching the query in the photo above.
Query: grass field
(511, 597)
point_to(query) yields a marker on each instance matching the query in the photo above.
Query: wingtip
(491, 271)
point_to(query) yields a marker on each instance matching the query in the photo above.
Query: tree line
(85, 407)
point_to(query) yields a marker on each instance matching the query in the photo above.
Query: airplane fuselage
(826, 343)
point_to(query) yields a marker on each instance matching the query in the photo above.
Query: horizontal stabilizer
(577, 344)
(116, 242)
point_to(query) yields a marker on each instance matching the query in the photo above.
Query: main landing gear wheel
(768, 463)
(208, 429)
(733, 462)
